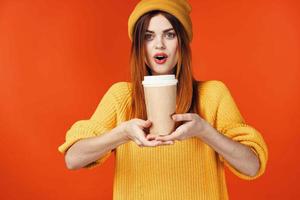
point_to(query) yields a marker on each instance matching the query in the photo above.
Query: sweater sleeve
(230, 122)
(102, 120)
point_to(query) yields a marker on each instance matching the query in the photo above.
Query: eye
(171, 35)
(148, 36)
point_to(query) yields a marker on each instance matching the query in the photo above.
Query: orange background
(57, 59)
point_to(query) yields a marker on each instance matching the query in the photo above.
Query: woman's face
(161, 46)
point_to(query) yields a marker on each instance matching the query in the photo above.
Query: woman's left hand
(194, 126)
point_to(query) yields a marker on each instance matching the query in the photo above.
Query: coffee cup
(160, 99)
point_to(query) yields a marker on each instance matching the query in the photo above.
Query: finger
(141, 137)
(167, 142)
(144, 123)
(138, 142)
(148, 143)
(151, 137)
(142, 144)
(147, 123)
(183, 117)
(172, 136)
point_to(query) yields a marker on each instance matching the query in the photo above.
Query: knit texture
(188, 169)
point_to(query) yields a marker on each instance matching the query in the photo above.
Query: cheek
(175, 52)
(174, 47)
(148, 47)
(148, 54)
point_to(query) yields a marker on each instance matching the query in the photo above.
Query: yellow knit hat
(178, 8)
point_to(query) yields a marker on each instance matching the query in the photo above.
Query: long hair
(187, 87)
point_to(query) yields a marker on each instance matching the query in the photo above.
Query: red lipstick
(160, 58)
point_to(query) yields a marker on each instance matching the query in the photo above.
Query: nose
(159, 44)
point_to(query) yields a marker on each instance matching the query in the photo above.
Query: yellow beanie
(178, 8)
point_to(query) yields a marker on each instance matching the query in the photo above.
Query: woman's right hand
(134, 130)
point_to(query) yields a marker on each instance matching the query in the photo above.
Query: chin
(162, 71)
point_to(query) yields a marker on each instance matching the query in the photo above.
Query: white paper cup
(160, 99)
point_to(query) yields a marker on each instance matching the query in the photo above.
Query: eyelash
(173, 35)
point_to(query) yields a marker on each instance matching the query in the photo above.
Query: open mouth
(160, 58)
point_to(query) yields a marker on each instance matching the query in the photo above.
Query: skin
(88, 150)
(161, 38)
(238, 155)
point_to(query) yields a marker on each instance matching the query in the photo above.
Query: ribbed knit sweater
(188, 169)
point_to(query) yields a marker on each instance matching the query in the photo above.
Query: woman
(188, 163)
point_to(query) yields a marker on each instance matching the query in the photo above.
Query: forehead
(159, 23)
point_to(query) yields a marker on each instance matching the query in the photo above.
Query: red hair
(187, 87)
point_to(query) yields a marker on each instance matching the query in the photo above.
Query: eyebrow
(169, 29)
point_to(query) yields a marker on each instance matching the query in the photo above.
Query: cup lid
(159, 80)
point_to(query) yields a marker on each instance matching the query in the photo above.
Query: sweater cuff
(82, 130)
(252, 139)
(76, 135)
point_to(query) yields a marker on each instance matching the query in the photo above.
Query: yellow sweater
(186, 170)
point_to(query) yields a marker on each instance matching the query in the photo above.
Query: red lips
(160, 58)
